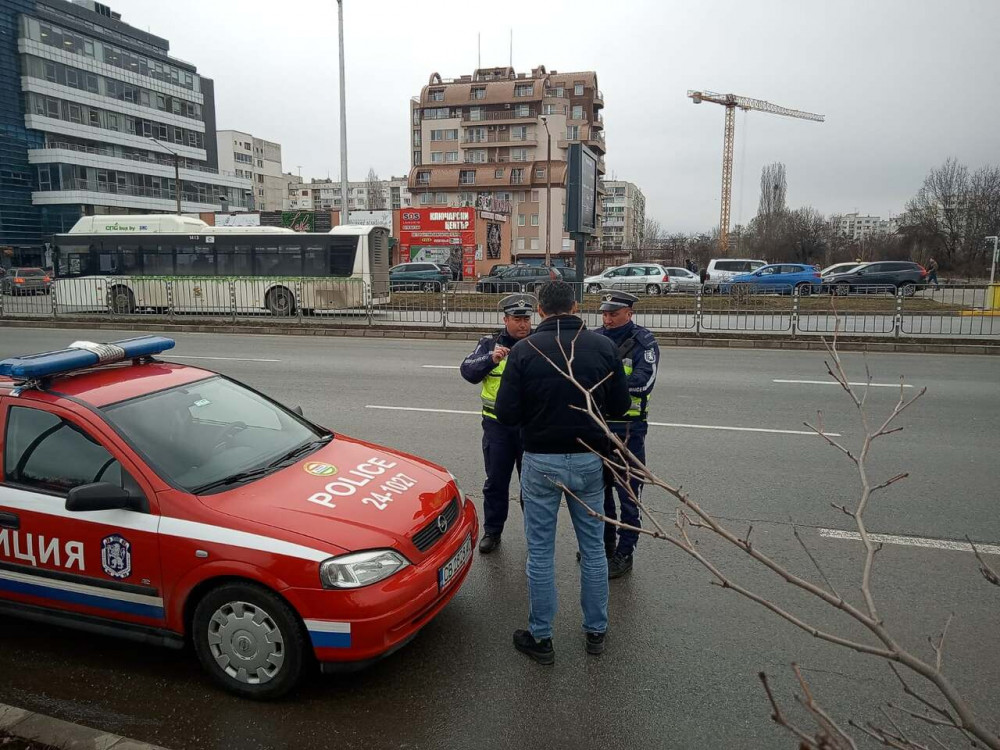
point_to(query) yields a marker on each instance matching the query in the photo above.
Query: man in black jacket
(557, 452)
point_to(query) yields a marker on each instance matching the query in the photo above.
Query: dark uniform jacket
(478, 365)
(639, 351)
(534, 395)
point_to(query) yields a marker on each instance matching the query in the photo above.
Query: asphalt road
(682, 658)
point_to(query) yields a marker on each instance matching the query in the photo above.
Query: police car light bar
(80, 355)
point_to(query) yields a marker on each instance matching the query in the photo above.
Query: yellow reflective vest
(491, 386)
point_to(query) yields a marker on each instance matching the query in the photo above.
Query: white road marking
(912, 541)
(219, 359)
(653, 424)
(833, 382)
(441, 367)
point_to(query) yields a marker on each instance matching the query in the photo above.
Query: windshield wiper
(242, 476)
(301, 450)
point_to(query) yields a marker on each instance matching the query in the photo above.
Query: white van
(721, 270)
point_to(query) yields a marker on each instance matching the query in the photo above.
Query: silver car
(25, 281)
(638, 278)
(682, 280)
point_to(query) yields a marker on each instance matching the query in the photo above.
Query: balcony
(599, 97)
(499, 115)
(497, 139)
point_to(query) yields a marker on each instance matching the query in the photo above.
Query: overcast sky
(903, 83)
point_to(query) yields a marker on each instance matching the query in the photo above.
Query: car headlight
(461, 495)
(360, 568)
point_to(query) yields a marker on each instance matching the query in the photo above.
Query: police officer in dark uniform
(640, 356)
(501, 443)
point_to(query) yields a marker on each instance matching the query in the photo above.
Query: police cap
(518, 305)
(615, 300)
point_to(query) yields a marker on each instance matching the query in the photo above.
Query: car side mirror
(298, 410)
(100, 496)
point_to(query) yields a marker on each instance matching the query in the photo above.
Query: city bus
(125, 264)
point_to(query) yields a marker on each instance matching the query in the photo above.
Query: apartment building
(857, 227)
(257, 160)
(483, 140)
(325, 195)
(624, 216)
(93, 114)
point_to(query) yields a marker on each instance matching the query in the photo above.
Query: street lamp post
(177, 173)
(344, 205)
(548, 194)
(993, 266)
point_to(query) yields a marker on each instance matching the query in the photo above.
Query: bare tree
(935, 701)
(937, 214)
(773, 190)
(375, 189)
(652, 233)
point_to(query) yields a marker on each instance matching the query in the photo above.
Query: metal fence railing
(952, 311)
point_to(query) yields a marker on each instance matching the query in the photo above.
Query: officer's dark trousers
(633, 434)
(501, 452)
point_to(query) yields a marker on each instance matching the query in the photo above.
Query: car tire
(280, 302)
(594, 289)
(429, 286)
(121, 300)
(242, 627)
(804, 289)
(653, 289)
(842, 290)
(908, 289)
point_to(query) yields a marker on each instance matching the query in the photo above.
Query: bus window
(129, 264)
(157, 261)
(107, 261)
(279, 261)
(234, 261)
(342, 253)
(74, 260)
(314, 262)
(196, 260)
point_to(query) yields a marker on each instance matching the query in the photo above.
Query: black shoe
(541, 651)
(488, 543)
(595, 643)
(619, 565)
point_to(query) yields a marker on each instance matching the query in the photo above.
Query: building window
(519, 154)
(539, 174)
(498, 174)
(573, 133)
(517, 177)
(520, 220)
(437, 135)
(519, 133)
(522, 110)
(441, 198)
(467, 199)
(437, 157)
(524, 89)
(451, 135)
(578, 89)
(477, 156)
(559, 92)
(416, 159)
(534, 243)
(520, 243)
(549, 109)
(467, 177)
(478, 92)
(475, 135)
(452, 157)
(416, 137)
(476, 114)
(534, 220)
(436, 95)
(423, 178)
(425, 199)
(577, 112)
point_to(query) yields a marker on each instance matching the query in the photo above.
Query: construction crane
(731, 102)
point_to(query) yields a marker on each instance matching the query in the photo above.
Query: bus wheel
(280, 301)
(121, 300)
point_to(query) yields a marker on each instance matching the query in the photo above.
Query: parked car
(25, 281)
(427, 277)
(518, 279)
(882, 276)
(725, 269)
(682, 280)
(496, 268)
(779, 278)
(633, 277)
(173, 505)
(839, 268)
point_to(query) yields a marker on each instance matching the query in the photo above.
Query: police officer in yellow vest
(501, 443)
(640, 356)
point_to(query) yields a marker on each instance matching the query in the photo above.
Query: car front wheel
(842, 290)
(594, 288)
(249, 640)
(652, 289)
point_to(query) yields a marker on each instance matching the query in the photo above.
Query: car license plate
(458, 561)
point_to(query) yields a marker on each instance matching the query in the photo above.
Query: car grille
(429, 534)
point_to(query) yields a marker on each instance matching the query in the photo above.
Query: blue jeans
(583, 474)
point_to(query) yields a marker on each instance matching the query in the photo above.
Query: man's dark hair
(556, 298)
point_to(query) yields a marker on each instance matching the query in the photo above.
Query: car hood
(349, 494)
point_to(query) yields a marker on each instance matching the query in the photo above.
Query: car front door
(90, 564)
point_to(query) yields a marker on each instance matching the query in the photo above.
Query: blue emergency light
(80, 355)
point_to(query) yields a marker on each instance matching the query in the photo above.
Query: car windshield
(30, 272)
(204, 436)
(839, 268)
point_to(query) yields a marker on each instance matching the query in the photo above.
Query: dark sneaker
(595, 643)
(488, 543)
(541, 651)
(619, 565)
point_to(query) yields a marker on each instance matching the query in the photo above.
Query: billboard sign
(237, 220)
(581, 214)
(371, 219)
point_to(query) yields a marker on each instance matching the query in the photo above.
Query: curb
(63, 735)
(814, 342)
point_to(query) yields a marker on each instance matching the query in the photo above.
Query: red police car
(163, 503)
